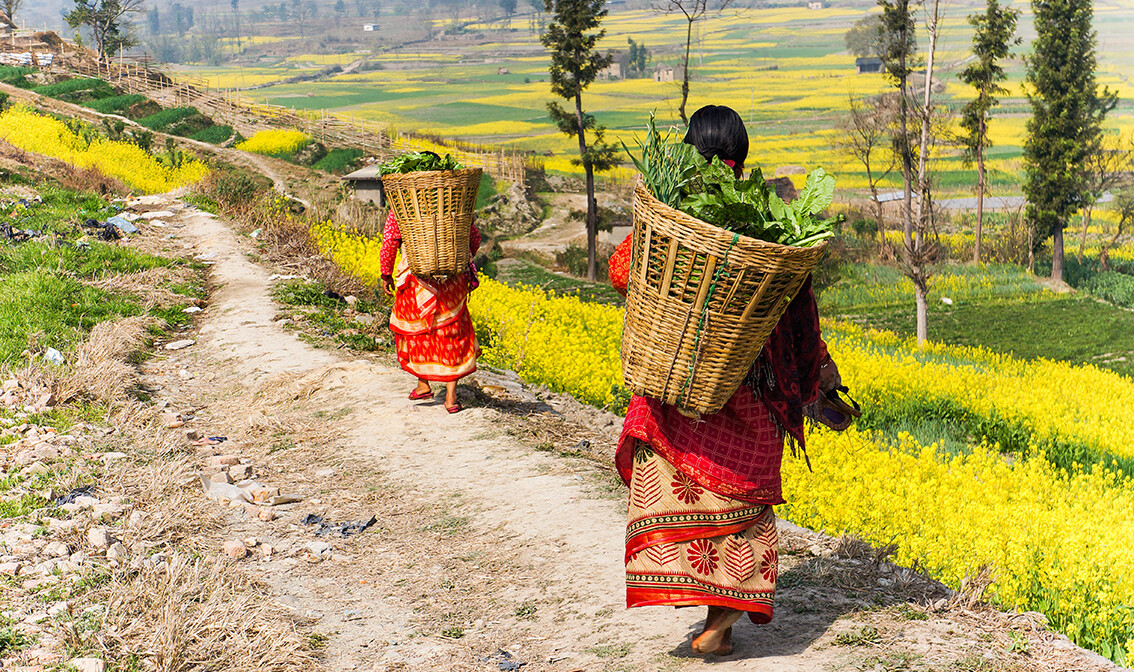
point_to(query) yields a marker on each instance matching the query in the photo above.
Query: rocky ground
(277, 503)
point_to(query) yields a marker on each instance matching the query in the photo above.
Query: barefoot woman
(701, 529)
(432, 329)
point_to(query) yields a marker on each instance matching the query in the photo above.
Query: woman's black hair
(717, 130)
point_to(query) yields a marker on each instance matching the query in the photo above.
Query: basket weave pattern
(701, 302)
(435, 211)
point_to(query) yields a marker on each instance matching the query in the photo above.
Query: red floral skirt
(433, 332)
(687, 545)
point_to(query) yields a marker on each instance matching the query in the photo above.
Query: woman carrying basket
(700, 527)
(433, 332)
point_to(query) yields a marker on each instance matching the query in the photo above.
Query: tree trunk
(685, 75)
(592, 210)
(1083, 234)
(1057, 254)
(979, 194)
(921, 292)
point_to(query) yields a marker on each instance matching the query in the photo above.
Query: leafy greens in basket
(418, 161)
(677, 175)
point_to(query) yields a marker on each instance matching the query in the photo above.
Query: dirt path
(492, 548)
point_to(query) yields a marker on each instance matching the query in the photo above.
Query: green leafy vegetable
(418, 161)
(677, 175)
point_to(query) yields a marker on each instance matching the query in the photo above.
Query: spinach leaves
(418, 161)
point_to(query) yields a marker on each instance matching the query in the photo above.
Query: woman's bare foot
(716, 638)
(423, 387)
(451, 394)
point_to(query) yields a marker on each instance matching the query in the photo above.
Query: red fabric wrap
(736, 451)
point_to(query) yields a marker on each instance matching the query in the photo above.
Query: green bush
(17, 77)
(214, 134)
(79, 89)
(1112, 286)
(115, 104)
(339, 161)
(177, 121)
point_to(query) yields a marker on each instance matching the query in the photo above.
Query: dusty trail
(485, 544)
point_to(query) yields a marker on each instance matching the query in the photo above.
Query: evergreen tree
(992, 39)
(1067, 114)
(575, 62)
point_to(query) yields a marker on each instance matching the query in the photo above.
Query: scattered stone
(180, 345)
(221, 477)
(266, 514)
(112, 456)
(117, 551)
(78, 558)
(99, 537)
(36, 469)
(89, 664)
(192, 434)
(56, 549)
(106, 512)
(11, 568)
(46, 401)
(192, 309)
(85, 501)
(318, 547)
(325, 473)
(240, 472)
(223, 461)
(54, 356)
(251, 542)
(235, 549)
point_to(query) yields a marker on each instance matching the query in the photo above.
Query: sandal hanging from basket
(833, 411)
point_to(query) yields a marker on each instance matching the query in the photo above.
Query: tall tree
(993, 33)
(897, 47)
(153, 21)
(236, 20)
(108, 21)
(863, 135)
(340, 12)
(1067, 114)
(862, 37)
(575, 62)
(693, 11)
(11, 7)
(509, 8)
(639, 58)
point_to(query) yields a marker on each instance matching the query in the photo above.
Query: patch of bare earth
(497, 535)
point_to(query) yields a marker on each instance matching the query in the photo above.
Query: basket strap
(705, 317)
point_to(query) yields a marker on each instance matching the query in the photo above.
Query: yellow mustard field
(128, 162)
(1052, 531)
(274, 142)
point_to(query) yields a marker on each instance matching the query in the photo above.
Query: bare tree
(11, 7)
(918, 252)
(864, 135)
(1107, 165)
(1124, 205)
(692, 10)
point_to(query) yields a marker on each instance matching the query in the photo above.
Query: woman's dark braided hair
(717, 130)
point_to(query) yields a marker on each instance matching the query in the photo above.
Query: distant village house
(619, 67)
(370, 27)
(867, 64)
(818, 4)
(668, 73)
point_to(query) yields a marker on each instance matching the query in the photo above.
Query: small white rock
(117, 551)
(99, 537)
(56, 549)
(88, 664)
(179, 345)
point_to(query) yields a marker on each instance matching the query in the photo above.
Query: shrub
(78, 89)
(214, 134)
(115, 104)
(339, 161)
(16, 76)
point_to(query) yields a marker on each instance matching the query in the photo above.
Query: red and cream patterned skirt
(433, 332)
(686, 545)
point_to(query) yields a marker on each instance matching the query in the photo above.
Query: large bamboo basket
(434, 210)
(701, 301)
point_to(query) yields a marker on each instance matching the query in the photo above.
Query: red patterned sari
(433, 331)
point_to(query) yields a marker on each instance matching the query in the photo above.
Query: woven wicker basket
(701, 302)
(434, 210)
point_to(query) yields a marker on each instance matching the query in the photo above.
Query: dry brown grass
(102, 370)
(151, 287)
(199, 614)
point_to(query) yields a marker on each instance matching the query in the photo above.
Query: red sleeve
(619, 265)
(474, 239)
(391, 241)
